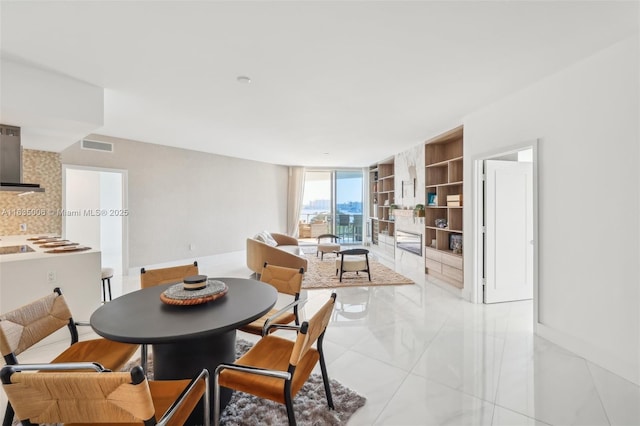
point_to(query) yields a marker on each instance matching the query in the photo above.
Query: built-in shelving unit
(382, 196)
(444, 184)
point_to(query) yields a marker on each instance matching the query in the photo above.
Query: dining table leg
(185, 359)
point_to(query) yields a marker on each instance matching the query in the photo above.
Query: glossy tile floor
(422, 356)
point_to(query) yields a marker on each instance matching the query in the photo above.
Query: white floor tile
(399, 344)
(505, 417)
(421, 401)
(465, 360)
(375, 380)
(621, 399)
(548, 383)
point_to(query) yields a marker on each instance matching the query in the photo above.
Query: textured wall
(40, 211)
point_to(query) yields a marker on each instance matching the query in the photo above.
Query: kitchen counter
(25, 277)
(37, 253)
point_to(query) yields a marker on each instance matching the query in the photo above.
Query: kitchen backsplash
(39, 211)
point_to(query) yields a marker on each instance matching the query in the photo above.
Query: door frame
(478, 218)
(125, 204)
(333, 189)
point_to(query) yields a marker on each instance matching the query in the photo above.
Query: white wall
(81, 193)
(111, 224)
(586, 118)
(179, 198)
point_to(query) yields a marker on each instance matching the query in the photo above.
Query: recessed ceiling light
(243, 79)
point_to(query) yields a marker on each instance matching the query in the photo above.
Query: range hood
(11, 162)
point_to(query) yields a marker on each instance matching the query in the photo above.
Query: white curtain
(294, 198)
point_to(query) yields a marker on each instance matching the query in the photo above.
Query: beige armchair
(285, 253)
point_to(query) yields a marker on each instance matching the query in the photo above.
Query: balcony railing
(347, 226)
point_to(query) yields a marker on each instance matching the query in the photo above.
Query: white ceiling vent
(96, 145)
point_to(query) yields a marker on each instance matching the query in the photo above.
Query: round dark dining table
(185, 339)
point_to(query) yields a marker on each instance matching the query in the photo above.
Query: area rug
(310, 404)
(322, 274)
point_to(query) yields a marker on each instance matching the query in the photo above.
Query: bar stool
(107, 274)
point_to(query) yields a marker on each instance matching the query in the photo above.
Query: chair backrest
(170, 275)
(24, 327)
(330, 237)
(285, 280)
(80, 397)
(312, 330)
(343, 219)
(354, 252)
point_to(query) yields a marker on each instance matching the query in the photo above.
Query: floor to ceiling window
(332, 203)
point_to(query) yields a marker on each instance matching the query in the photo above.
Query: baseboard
(203, 262)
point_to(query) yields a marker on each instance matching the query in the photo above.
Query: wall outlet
(192, 246)
(51, 276)
(23, 227)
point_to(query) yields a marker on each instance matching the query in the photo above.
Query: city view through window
(332, 203)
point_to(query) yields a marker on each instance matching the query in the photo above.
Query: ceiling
(341, 83)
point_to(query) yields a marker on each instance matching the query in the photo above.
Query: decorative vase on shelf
(441, 223)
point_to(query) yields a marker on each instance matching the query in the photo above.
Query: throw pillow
(270, 240)
(260, 237)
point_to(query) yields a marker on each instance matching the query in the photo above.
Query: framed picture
(431, 199)
(455, 243)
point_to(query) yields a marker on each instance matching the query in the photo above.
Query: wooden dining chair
(170, 275)
(287, 281)
(52, 394)
(22, 328)
(276, 368)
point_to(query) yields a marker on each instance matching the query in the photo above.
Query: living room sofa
(285, 252)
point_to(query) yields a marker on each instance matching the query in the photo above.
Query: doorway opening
(99, 197)
(506, 219)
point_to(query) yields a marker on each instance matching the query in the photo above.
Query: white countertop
(38, 253)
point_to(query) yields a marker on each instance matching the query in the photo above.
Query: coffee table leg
(185, 360)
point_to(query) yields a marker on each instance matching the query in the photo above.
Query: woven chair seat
(256, 326)
(110, 354)
(273, 353)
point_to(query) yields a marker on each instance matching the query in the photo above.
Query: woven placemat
(43, 237)
(58, 244)
(47, 240)
(68, 249)
(177, 295)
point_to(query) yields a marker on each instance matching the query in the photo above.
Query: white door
(509, 231)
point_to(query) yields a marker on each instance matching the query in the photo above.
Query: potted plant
(391, 208)
(418, 210)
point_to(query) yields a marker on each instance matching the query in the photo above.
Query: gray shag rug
(310, 404)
